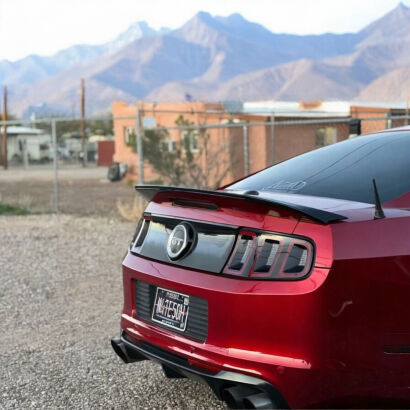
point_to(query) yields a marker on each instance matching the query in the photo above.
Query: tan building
(369, 117)
(228, 146)
(166, 115)
(227, 156)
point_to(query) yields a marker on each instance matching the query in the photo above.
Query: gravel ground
(60, 303)
(66, 172)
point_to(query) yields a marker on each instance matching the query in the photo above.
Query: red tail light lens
(241, 259)
(270, 256)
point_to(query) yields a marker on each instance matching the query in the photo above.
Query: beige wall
(226, 143)
(292, 140)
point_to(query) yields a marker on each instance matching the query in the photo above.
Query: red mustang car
(287, 289)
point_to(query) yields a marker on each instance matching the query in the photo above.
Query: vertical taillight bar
(242, 256)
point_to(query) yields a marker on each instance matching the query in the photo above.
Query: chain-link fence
(60, 164)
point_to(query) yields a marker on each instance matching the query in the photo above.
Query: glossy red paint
(339, 337)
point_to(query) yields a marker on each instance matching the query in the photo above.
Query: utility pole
(83, 140)
(4, 139)
(140, 150)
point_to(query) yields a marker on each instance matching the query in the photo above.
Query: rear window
(344, 170)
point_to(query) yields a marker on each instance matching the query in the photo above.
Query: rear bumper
(177, 366)
(270, 331)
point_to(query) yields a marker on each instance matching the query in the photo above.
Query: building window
(169, 146)
(191, 140)
(129, 135)
(326, 136)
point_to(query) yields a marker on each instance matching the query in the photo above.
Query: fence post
(388, 120)
(245, 150)
(25, 154)
(140, 149)
(4, 136)
(83, 137)
(55, 163)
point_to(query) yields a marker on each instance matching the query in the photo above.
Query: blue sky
(46, 26)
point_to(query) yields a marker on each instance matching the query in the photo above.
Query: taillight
(140, 234)
(242, 256)
(270, 256)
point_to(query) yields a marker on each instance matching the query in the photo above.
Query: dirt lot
(60, 303)
(81, 191)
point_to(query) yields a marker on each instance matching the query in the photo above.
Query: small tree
(168, 163)
(196, 160)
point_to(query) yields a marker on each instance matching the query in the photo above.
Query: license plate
(171, 309)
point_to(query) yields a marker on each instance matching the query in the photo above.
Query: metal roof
(319, 109)
(13, 129)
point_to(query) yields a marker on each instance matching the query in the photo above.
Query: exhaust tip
(127, 355)
(119, 348)
(234, 396)
(247, 397)
(231, 397)
(258, 401)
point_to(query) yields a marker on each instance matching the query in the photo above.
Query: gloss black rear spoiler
(324, 217)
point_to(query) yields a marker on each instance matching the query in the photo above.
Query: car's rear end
(237, 288)
(250, 285)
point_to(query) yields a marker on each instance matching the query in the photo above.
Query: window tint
(344, 170)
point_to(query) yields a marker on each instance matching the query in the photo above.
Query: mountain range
(220, 58)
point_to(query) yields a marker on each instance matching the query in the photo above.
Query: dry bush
(131, 211)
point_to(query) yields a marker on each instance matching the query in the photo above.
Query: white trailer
(28, 144)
